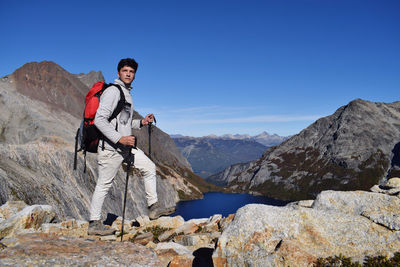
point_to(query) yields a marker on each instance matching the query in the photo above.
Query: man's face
(126, 74)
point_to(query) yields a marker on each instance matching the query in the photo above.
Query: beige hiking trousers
(109, 163)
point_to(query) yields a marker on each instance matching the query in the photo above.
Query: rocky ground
(354, 224)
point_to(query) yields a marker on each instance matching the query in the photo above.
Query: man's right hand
(127, 140)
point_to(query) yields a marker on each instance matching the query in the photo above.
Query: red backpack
(88, 136)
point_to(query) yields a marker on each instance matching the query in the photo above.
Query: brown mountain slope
(51, 84)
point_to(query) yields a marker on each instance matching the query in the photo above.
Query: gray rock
(143, 238)
(385, 190)
(391, 221)
(167, 235)
(393, 182)
(364, 203)
(51, 250)
(390, 187)
(187, 228)
(31, 217)
(198, 221)
(108, 238)
(262, 235)
(176, 249)
(380, 208)
(301, 203)
(10, 208)
(224, 223)
(166, 222)
(195, 241)
(167, 252)
(188, 240)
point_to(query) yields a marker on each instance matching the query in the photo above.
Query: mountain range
(211, 154)
(208, 156)
(354, 148)
(263, 138)
(41, 105)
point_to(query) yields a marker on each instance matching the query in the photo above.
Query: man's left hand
(149, 118)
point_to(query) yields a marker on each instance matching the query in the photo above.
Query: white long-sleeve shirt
(108, 102)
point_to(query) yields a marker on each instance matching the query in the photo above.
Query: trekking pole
(76, 148)
(149, 129)
(130, 160)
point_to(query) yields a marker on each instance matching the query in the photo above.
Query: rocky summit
(40, 110)
(51, 84)
(353, 224)
(356, 147)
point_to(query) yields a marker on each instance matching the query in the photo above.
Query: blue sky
(218, 67)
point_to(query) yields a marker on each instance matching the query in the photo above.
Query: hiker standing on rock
(118, 140)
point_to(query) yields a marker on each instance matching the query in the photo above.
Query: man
(117, 141)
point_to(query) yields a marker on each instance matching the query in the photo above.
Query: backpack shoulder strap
(120, 104)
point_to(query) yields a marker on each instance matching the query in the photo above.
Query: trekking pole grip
(149, 129)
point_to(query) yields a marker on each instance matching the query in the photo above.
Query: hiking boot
(155, 211)
(98, 228)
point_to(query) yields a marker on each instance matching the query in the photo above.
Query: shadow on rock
(110, 219)
(203, 257)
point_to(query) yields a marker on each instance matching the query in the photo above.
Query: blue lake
(220, 203)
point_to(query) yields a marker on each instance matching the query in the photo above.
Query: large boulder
(337, 223)
(30, 217)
